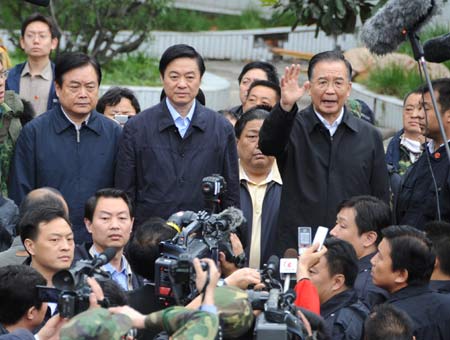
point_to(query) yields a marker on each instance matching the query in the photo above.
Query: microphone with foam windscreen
(388, 28)
(437, 50)
(104, 257)
(272, 265)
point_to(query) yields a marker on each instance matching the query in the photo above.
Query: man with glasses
(72, 147)
(33, 79)
(325, 155)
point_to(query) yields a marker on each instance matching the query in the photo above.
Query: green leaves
(333, 17)
(93, 26)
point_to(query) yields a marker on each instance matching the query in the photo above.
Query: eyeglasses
(323, 84)
(4, 74)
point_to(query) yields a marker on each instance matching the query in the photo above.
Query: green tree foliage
(333, 17)
(92, 26)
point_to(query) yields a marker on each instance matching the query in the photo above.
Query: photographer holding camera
(204, 321)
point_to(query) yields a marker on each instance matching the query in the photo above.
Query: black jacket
(428, 310)
(320, 171)
(162, 172)
(344, 316)
(269, 218)
(368, 293)
(440, 286)
(82, 253)
(51, 153)
(416, 200)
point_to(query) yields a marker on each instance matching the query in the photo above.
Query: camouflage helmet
(234, 309)
(97, 323)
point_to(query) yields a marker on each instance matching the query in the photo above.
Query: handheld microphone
(437, 50)
(389, 27)
(104, 257)
(288, 266)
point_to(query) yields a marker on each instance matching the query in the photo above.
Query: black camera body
(202, 238)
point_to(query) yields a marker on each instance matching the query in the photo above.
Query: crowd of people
(82, 174)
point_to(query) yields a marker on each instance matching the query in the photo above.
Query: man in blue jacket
(33, 80)
(168, 149)
(72, 147)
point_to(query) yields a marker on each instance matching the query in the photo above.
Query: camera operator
(108, 217)
(204, 321)
(334, 274)
(20, 307)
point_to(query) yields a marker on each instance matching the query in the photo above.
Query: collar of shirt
(431, 146)
(182, 123)
(78, 127)
(46, 73)
(274, 175)
(331, 127)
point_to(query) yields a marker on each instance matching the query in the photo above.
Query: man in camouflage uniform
(11, 108)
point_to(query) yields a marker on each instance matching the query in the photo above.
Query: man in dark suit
(324, 153)
(168, 149)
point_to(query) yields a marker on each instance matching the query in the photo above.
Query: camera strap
(206, 285)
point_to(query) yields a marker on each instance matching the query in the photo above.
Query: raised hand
(291, 91)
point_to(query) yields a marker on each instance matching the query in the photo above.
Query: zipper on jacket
(78, 135)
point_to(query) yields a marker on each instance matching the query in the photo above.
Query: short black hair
(143, 248)
(29, 222)
(180, 51)
(439, 234)
(71, 60)
(41, 18)
(114, 95)
(266, 83)
(371, 214)
(268, 69)
(342, 259)
(386, 322)
(441, 86)
(18, 292)
(91, 203)
(257, 112)
(415, 91)
(328, 56)
(113, 292)
(410, 250)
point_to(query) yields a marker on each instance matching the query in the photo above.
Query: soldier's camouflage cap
(97, 323)
(234, 309)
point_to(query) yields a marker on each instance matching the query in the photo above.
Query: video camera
(71, 291)
(279, 319)
(203, 237)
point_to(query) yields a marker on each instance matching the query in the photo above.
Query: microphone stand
(419, 56)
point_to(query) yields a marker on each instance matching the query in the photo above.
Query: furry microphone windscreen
(387, 29)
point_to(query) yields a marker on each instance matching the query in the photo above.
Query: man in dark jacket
(71, 147)
(403, 266)
(439, 234)
(334, 276)
(34, 79)
(109, 219)
(260, 188)
(424, 192)
(324, 154)
(168, 149)
(360, 221)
